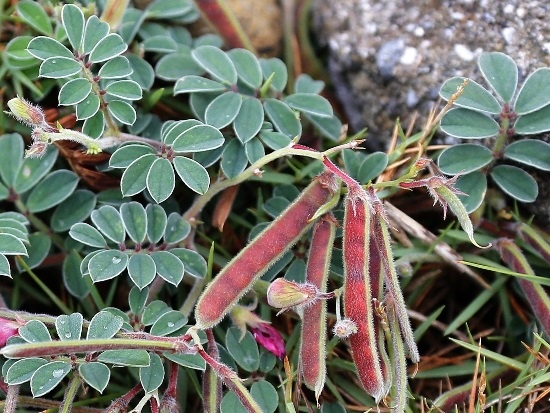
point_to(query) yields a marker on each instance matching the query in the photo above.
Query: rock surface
(389, 58)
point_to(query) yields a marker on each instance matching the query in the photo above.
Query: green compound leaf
(5, 266)
(130, 358)
(74, 91)
(104, 325)
(169, 267)
(535, 92)
(122, 111)
(275, 140)
(11, 245)
(534, 122)
(463, 159)
(254, 150)
(86, 260)
(195, 264)
(107, 48)
(11, 157)
(156, 222)
(515, 182)
(177, 229)
(134, 219)
(69, 327)
(168, 323)
(160, 44)
(48, 376)
(22, 370)
(38, 250)
(192, 173)
(165, 9)
(32, 13)
(171, 131)
(152, 376)
(244, 351)
(32, 170)
(17, 53)
(87, 235)
(200, 101)
(249, 120)
(475, 185)
(75, 208)
(532, 152)
(330, 128)
(192, 83)
(310, 103)
(373, 165)
(265, 395)
(115, 68)
(125, 155)
(198, 138)
(124, 89)
(153, 311)
(305, 84)
(137, 299)
(35, 331)
(248, 67)
(175, 66)
(216, 63)
(501, 72)
(468, 124)
(73, 22)
(474, 96)
(277, 68)
(52, 190)
(88, 107)
(77, 285)
(95, 374)
(59, 67)
(282, 117)
(223, 109)
(106, 265)
(107, 219)
(160, 180)
(134, 178)
(234, 159)
(192, 361)
(43, 48)
(142, 270)
(94, 126)
(142, 72)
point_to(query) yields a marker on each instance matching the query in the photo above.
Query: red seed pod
(314, 323)
(238, 276)
(358, 305)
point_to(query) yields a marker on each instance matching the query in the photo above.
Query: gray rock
(389, 58)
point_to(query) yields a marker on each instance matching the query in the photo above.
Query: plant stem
(70, 394)
(60, 304)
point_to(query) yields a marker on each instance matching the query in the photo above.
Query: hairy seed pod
(314, 323)
(358, 305)
(238, 276)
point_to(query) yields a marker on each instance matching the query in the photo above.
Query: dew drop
(67, 335)
(58, 373)
(26, 171)
(61, 321)
(170, 324)
(116, 260)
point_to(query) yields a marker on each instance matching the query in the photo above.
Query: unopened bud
(286, 294)
(36, 150)
(344, 328)
(25, 112)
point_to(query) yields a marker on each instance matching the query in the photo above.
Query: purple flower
(8, 328)
(269, 338)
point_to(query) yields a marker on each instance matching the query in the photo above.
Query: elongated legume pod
(358, 305)
(238, 276)
(314, 323)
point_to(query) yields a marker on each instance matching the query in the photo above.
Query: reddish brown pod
(314, 323)
(358, 303)
(238, 276)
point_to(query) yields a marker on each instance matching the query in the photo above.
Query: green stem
(44, 287)
(53, 348)
(70, 394)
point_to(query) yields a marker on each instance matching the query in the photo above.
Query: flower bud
(286, 294)
(344, 328)
(8, 328)
(269, 338)
(25, 112)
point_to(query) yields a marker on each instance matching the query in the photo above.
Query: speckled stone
(389, 58)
